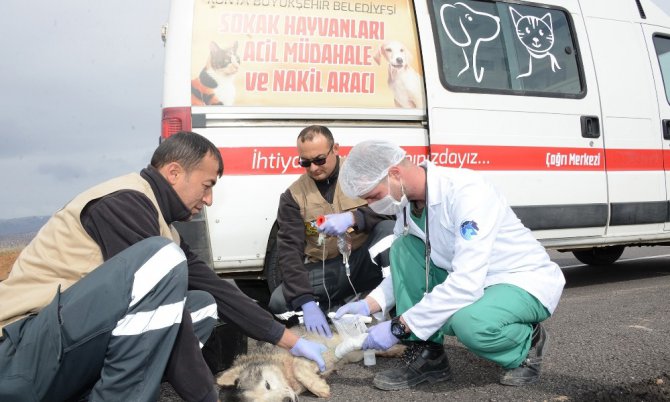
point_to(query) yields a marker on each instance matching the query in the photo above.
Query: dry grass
(7, 258)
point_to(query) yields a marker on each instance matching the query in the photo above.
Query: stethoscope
(426, 230)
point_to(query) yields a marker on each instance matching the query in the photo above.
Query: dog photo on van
(215, 85)
(403, 79)
(270, 373)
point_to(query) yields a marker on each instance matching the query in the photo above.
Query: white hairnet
(367, 164)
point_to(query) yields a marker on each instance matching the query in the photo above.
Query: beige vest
(62, 252)
(312, 204)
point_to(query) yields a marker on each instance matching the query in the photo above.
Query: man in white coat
(462, 264)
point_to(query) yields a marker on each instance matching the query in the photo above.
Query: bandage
(353, 331)
(349, 345)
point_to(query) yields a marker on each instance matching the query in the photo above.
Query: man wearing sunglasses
(313, 270)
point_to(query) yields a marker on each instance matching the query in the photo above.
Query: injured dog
(273, 374)
(403, 80)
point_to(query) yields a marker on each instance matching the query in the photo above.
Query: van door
(635, 173)
(511, 91)
(658, 42)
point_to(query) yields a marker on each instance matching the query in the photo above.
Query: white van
(564, 104)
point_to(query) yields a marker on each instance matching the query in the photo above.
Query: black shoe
(529, 371)
(424, 361)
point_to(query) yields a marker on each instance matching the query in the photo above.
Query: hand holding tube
(336, 224)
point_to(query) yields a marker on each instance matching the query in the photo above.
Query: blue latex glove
(310, 350)
(315, 320)
(359, 307)
(380, 337)
(336, 224)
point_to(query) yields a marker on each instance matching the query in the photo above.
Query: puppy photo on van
(403, 79)
(270, 373)
(215, 85)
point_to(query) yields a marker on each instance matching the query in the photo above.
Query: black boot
(529, 371)
(424, 361)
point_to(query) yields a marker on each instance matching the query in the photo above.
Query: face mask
(389, 205)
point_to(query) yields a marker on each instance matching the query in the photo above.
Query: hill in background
(16, 233)
(15, 226)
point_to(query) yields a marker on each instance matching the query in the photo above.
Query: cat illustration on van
(468, 28)
(537, 35)
(215, 84)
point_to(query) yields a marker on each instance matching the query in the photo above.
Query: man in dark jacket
(312, 266)
(132, 302)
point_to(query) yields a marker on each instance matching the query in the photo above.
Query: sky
(80, 97)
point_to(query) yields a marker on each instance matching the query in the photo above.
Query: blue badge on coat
(469, 229)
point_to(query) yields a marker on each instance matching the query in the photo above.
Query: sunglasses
(318, 161)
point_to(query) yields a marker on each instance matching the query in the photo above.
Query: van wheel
(599, 255)
(271, 269)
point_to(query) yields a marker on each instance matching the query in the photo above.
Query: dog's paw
(307, 373)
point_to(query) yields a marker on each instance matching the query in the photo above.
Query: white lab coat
(502, 251)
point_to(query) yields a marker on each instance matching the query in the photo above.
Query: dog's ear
(378, 56)
(452, 23)
(409, 56)
(229, 376)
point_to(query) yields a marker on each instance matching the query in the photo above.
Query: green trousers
(496, 327)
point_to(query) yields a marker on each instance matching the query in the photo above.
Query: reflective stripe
(154, 270)
(145, 321)
(381, 246)
(205, 312)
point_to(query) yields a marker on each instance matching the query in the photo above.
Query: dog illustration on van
(468, 28)
(537, 35)
(216, 83)
(403, 80)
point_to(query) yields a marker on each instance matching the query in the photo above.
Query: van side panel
(518, 118)
(563, 104)
(254, 74)
(633, 150)
(658, 44)
(176, 85)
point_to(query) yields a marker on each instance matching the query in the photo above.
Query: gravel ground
(654, 389)
(358, 377)
(608, 342)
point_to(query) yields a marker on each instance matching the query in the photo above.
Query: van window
(509, 48)
(311, 54)
(662, 45)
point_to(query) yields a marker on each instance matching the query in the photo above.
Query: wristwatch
(398, 328)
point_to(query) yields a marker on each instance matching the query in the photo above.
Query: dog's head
(465, 26)
(256, 382)
(395, 53)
